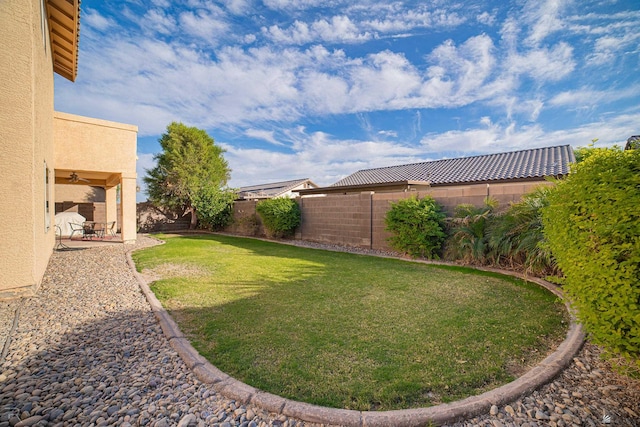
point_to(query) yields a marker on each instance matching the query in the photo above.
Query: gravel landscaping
(87, 350)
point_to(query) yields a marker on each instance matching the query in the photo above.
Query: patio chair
(76, 228)
(88, 230)
(99, 229)
(111, 229)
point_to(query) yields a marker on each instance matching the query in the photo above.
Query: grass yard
(350, 331)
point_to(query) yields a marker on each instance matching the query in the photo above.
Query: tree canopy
(189, 169)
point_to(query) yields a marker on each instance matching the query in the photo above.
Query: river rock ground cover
(87, 350)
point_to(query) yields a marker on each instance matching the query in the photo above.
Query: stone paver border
(445, 413)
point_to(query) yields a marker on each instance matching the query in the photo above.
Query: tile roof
(270, 190)
(533, 163)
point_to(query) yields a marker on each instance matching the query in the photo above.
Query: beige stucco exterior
(26, 93)
(30, 150)
(102, 153)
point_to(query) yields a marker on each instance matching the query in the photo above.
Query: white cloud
(388, 133)
(365, 22)
(336, 29)
(326, 160)
(237, 7)
(156, 20)
(494, 137)
(544, 17)
(324, 93)
(406, 20)
(587, 97)
(486, 18)
(163, 73)
(384, 78)
(339, 28)
(460, 75)
(93, 19)
(203, 24)
(299, 4)
(161, 3)
(264, 135)
(609, 48)
(543, 64)
(317, 156)
(269, 84)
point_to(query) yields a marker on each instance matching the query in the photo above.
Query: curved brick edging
(445, 413)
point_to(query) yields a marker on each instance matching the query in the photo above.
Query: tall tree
(189, 165)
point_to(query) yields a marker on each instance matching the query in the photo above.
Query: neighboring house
(275, 189)
(527, 166)
(42, 148)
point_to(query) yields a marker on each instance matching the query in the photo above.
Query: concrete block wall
(246, 221)
(340, 219)
(151, 219)
(381, 205)
(358, 219)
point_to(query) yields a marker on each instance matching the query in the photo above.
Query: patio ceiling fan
(74, 178)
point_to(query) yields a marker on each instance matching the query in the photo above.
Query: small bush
(592, 225)
(418, 227)
(214, 207)
(280, 216)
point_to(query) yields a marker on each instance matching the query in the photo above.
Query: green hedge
(417, 226)
(280, 216)
(592, 225)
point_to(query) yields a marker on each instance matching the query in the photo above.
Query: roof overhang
(64, 31)
(92, 178)
(396, 185)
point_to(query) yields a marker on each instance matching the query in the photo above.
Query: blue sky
(320, 89)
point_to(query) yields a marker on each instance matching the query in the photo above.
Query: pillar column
(128, 226)
(111, 205)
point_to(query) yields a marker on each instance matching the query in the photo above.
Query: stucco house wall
(26, 94)
(35, 143)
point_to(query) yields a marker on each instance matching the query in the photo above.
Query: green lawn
(350, 331)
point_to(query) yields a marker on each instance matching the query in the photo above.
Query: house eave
(63, 17)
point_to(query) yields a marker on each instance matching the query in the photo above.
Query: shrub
(417, 226)
(467, 240)
(592, 225)
(280, 216)
(214, 207)
(516, 239)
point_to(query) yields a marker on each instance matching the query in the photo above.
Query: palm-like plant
(468, 233)
(515, 238)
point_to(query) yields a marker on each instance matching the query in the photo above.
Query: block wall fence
(358, 219)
